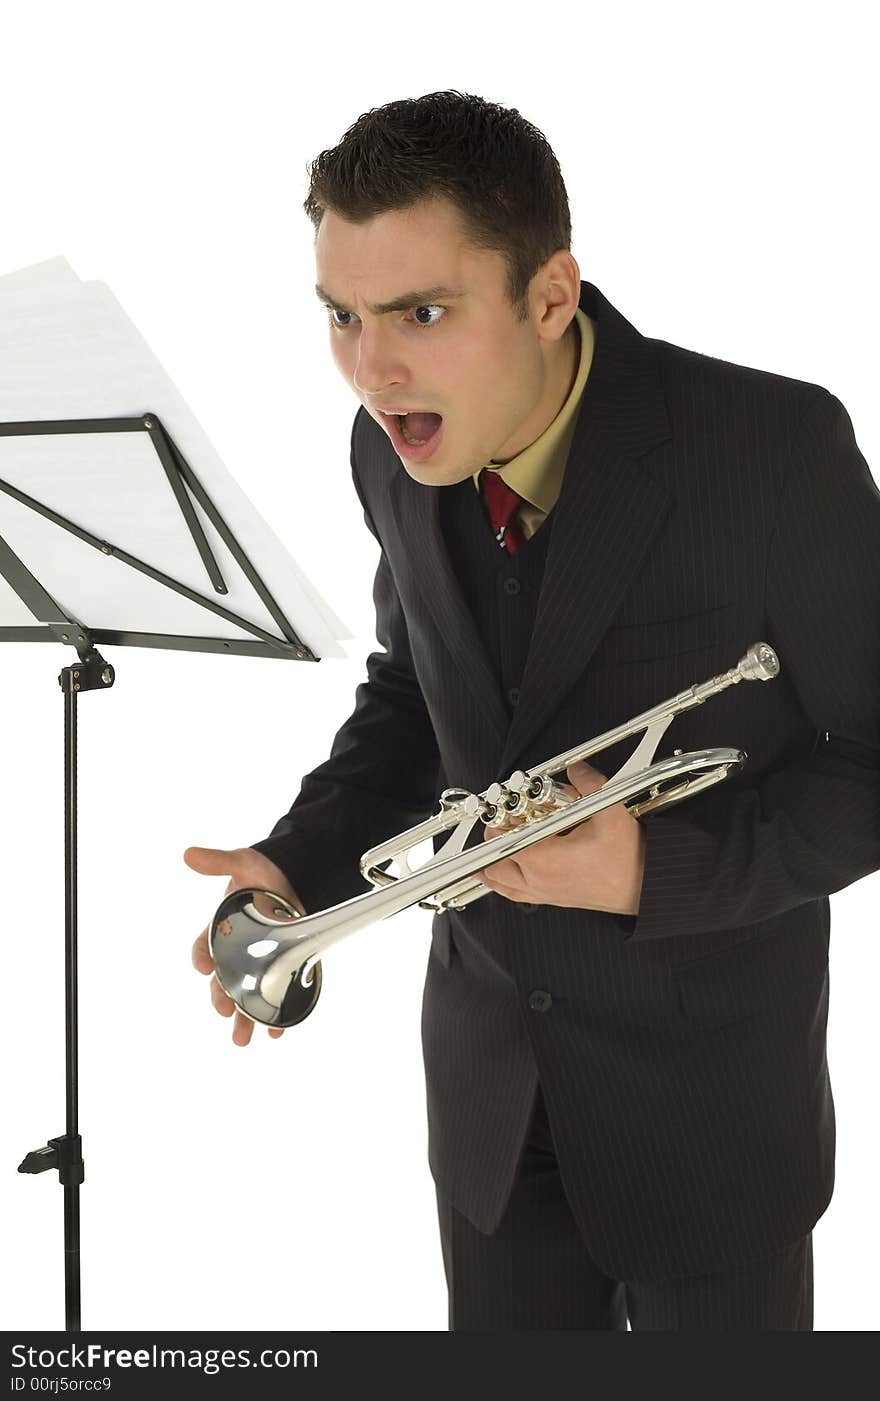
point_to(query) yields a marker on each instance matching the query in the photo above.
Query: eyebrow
(402, 303)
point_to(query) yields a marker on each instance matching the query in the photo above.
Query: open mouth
(418, 428)
(415, 434)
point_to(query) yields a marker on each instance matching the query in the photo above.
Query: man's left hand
(597, 865)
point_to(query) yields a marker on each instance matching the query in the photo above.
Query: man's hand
(597, 865)
(245, 867)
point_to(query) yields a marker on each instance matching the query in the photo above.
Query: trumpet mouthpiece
(760, 663)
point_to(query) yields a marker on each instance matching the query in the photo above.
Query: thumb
(585, 778)
(209, 861)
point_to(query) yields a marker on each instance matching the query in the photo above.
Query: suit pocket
(641, 641)
(790, 954)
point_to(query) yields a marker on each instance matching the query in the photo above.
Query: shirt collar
(536, 473)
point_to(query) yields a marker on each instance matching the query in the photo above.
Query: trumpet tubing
(267, 956)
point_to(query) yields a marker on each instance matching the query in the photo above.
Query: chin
(429, 475)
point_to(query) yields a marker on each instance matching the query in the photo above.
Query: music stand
(54, 622)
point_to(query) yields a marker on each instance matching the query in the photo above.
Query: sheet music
(68, 350)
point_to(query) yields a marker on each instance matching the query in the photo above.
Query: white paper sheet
(68, 351)
(45, 274)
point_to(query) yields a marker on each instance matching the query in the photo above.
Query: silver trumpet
(267, 956)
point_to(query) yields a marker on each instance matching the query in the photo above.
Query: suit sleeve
(382, 771)
(812, 826)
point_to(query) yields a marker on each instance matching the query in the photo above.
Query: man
(629, 1109)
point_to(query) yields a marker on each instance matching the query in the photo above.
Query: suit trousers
(534, 1271)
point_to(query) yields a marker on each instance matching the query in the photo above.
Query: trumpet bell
(253, 938)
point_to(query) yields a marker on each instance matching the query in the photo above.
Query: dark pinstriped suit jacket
(705, 506)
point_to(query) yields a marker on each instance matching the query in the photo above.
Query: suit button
(511, 586)
(513, 695)
(540, 1001)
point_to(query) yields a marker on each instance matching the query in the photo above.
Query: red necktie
(502, 504)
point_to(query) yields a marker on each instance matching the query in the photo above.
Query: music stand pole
(65, 1152)
(55, 623)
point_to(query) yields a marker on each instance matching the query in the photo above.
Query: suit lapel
(605, 524)
(609, 510)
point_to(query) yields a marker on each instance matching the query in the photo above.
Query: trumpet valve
(549, 798)
(497, 807)
(476, 805)
(540, 790)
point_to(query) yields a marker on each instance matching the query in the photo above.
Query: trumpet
(267, 956)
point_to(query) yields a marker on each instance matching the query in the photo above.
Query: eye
(431, 307)
(333, 311)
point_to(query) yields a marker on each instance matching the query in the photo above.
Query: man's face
(466, 358)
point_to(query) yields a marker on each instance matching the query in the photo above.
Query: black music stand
(55, 623)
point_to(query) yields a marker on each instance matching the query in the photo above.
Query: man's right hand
(245, 867)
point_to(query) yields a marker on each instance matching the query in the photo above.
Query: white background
(719, 167)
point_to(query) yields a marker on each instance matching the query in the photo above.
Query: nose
(376, 369)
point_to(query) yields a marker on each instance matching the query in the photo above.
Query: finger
(201, 954)
(209, 860)
(584, 768)
(276, 1031)
(585, 778)
(243, 1029)
(506, 872)
(513, 892)
(221, 1000)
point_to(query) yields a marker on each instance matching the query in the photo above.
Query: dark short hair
(496, 167)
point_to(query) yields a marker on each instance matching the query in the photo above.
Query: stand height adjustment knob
(40, 1160)
(64, 1153)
